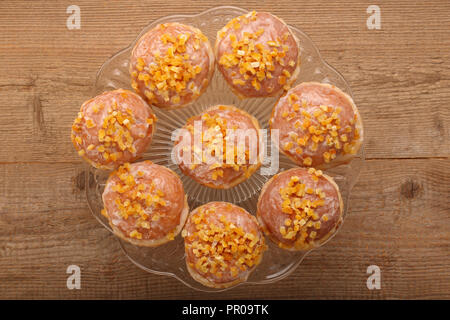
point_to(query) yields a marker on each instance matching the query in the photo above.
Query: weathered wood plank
(400, 75)
(399, 220)
(400, 216)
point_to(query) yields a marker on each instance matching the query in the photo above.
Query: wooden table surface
(400, 209)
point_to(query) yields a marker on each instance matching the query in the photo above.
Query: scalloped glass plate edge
(322, 72)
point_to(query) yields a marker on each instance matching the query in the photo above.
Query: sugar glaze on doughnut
(257, 55)
(113, 128)
(145, 203)
(319, 125)
(171, 65)
(299, 209)
(223, 244)
(215, 123)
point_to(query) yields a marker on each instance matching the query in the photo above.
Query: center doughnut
(219, 148)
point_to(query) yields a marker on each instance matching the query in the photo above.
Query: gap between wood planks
(78, 162)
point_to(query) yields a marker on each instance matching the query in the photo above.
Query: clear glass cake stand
(168, 259)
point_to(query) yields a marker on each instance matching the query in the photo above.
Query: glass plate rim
(294, 266)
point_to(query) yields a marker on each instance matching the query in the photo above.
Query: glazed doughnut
(113, 128)
(300, 208)
(228, 151)
(319, 125)
(171, 65)
(145, 203)
(257, 55)
(223, 244)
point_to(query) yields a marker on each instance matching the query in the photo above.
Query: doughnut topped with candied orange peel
(223, 244)
(219, 148)
(171, 65)
(319, 125)
(113, 128)
(300, 208)
(257, 54)
(145, 203)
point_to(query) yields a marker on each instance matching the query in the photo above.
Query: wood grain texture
(400, 208)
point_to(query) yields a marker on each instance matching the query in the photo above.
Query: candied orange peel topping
(137, 199)
(114, 134)
(302, 220)
(322, 125)
(171, 72)
(214, 138)
(222, 246)
(255, 60)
